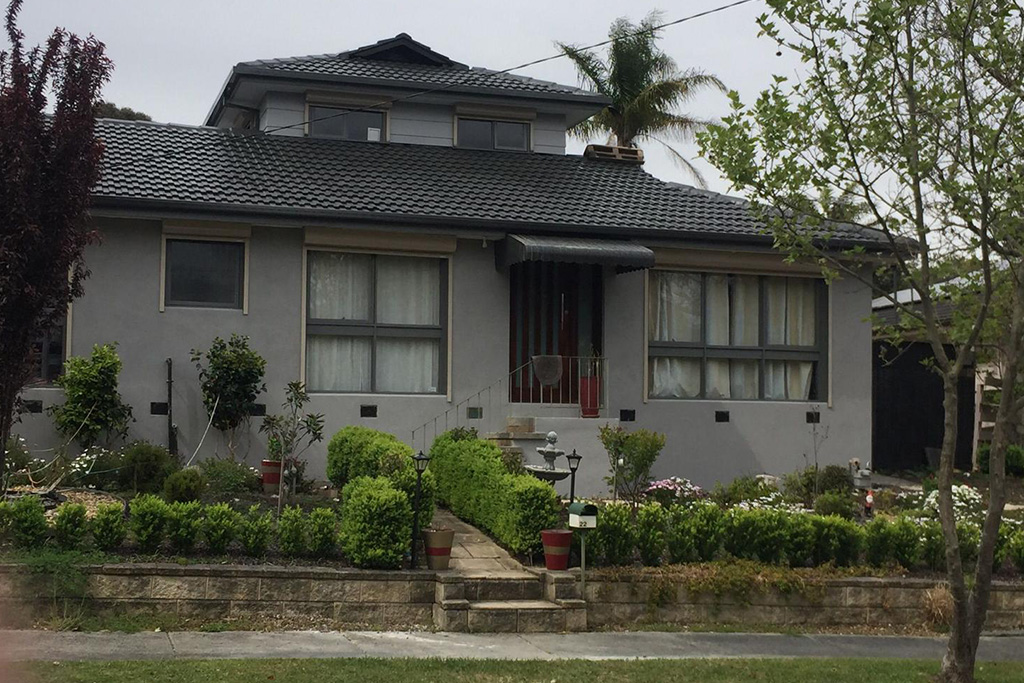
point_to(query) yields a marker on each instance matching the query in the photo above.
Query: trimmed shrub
(906, 543)
(184, 486)
(323, 532)
(92, 408)
(651, 520)
(148, 519)
(933, 546)
(109, 527)
(474, 484)
(970, 539)
(1015, 550)
(376, 523)
(837, 540)
(679, 535)
(291, 532)
(227, 476)
(69, 525)
(220, 526)
(1014, 459)
(800, 538)
(835, 479)
(255, 531)
(708, 525)
(5, 518)
(757, 534)
(877, 537)
(184, 521)
(28, 522)
(838, 504)
(615, 535)
(145, 467)
(1002, 550)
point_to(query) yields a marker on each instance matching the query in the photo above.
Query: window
(736, 336)
(375, 323)
(507, 135)
(48, 353)
(347, 124)
(204, 273)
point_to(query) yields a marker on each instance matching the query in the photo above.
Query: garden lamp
(420, 462)
(574, 464)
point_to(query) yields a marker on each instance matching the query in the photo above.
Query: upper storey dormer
(399, 90)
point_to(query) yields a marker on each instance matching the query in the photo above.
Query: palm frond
(593, 73)
(698, 177)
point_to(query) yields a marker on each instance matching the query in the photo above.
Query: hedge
(376, 523)
(475, 485)
(356, 451)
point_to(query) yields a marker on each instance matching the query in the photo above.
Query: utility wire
(472, 74)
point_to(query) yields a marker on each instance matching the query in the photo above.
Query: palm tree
(646, 88)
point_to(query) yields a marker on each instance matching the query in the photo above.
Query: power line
(524, 65)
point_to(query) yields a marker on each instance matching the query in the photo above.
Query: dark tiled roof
(255, 173)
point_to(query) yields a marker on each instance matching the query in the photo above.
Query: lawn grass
(492, 671)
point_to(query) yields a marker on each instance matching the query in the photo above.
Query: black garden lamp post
(574, 464)
(420, 461)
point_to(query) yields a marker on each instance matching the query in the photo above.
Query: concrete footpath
(70, 646)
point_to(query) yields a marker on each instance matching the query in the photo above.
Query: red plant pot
(590, 396)
(556, 548)
(271, 472)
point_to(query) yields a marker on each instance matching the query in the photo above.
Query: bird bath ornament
(548, 472)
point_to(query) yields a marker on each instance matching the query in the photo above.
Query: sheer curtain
(339, 285)
(675, 315)
(733, 316)
(338, 363)
(791, 322)
(407, 365)
(408, 291)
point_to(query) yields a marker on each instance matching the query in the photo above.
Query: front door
(555, 311)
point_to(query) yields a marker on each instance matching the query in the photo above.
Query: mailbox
(582, 516)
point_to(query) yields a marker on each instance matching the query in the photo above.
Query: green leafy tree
(109, 110)
(231, 378)
(646, 88)
(913, 110)
(92, 410)
(631, 456)
(49, 162)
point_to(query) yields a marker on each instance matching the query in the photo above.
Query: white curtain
(675, 307)
(732, 378)
(733, 310)
(675, 377)
(408, 290)
(407, 365)
(338, 363)
(791, 311)
(339, 285)
(788, 380)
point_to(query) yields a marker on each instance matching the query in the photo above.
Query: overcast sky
(172, 57)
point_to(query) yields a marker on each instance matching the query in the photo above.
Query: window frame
(494, 120)
(165, 272)
(385, 134)
(62, 332)
(763, 352)
(371, 328)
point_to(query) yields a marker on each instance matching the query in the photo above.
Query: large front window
(375, 323)
(720, 336)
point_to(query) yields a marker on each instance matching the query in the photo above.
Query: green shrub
(835, 479)
(1014, 459)
(757, 534)
(403, 478)
(105, 472)
(1015, 550)
(148, 520)
(5, 518)
(741, 489)
(220, 526)
(708, 524)
(615, 535)
(255, 531)
(631, 455)
(906, 543)
(109, 526)
(473, 483)
(837, 540)
(230, 380)
(376, 523)
(291, 532)
(933, 546)
(224, 476)
(838, 504)
(184, 521)
(70, 526)
(92, 408)
(145, 467)
(184, 486)
(28, 522)
(323, 532)
(970, 539)
(679, 535)
(651, 520)
(1001, 552)
(877, 539)
(800, 538)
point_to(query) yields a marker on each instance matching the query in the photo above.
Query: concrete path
(68, 646)
(474, 553)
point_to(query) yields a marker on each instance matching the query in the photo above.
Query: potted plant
(590, 384)
(556, 548)
(437, 542)
(289, 435)
(270, 466)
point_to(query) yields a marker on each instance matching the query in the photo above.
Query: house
(405, 234)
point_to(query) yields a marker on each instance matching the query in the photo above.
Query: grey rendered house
(405, 234)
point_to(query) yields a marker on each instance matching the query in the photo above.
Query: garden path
(474, 554)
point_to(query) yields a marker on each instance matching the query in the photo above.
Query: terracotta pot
(590, 396)
(556, 548)
(271, 471)
(437, 544)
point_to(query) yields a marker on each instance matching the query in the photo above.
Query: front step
(519, 616)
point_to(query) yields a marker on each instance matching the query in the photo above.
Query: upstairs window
(204, 273)
(346, 124)
(502, 135)
(48, 354)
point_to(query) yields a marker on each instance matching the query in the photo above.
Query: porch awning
(623, 255)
